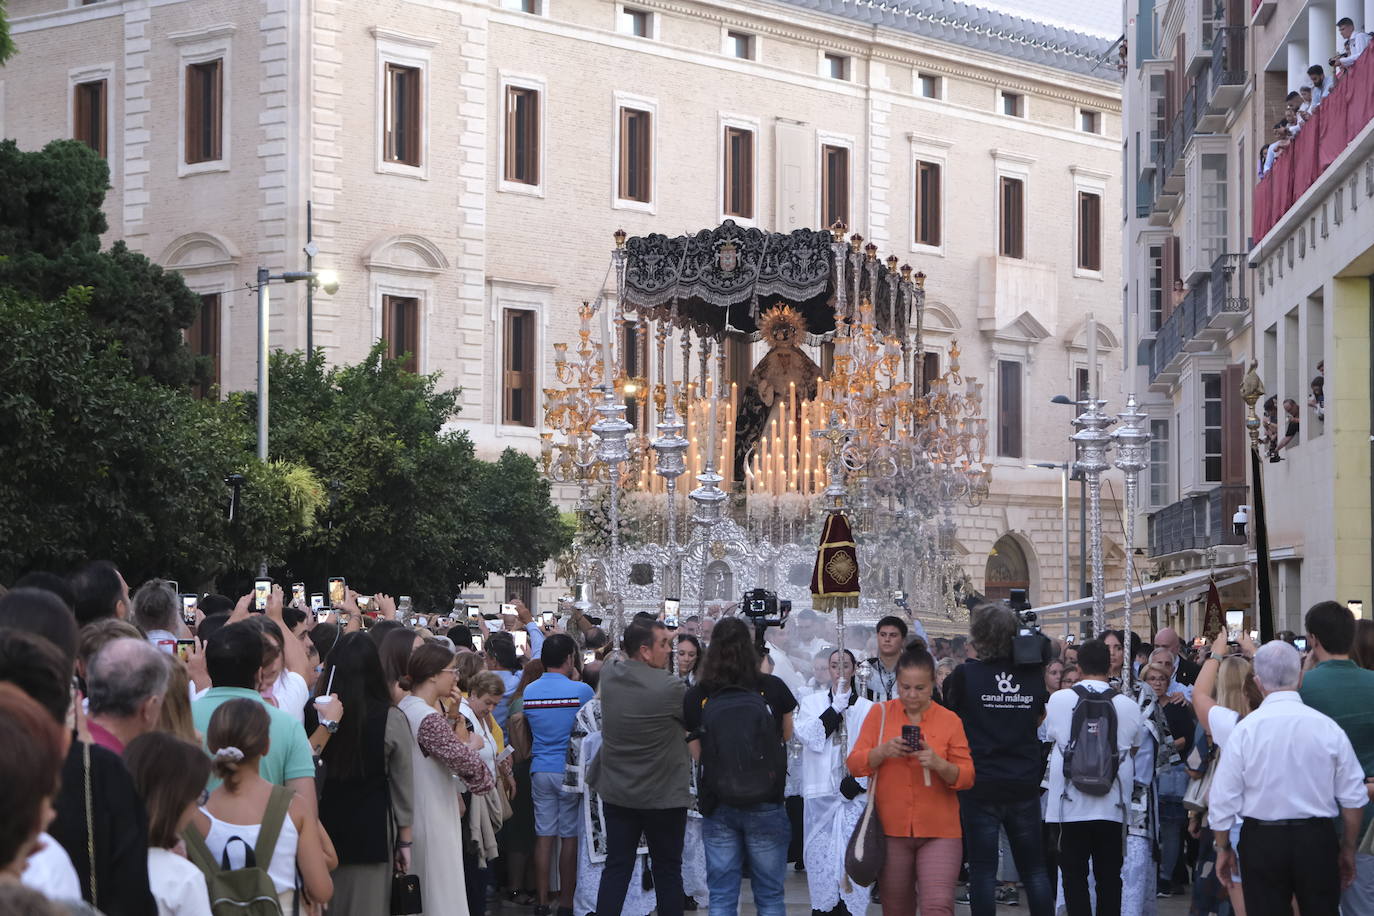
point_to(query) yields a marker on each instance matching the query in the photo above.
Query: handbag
(519, 738)
(863, 857)
(1195, 798)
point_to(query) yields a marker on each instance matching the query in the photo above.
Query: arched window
(1006, 569)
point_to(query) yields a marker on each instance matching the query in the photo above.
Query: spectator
(394, 653)
(170, 775)
(642, 771)
(882, 683)
(517, 838)
(127, 681)
(1286, 772)
(1290, 431)
(1116, 649)
(100, 592)
(1071, 676)
(834, 801)
(920, 820)
(1353, 44)
(1317, 399)
(689, 658)
(233, 660)
(96, 635)
(550, 707)
(32, 746)
(1168, 778)
(501, 659)
(1001, 704)
(1184, 671)
(1362, 649)
(1224, 694)
(43, 614)
(176, 704)
(157, 613)
(1341, 689)
(439, 751)
(1317, 75)
(366, 792)
(49, 582)
(243, 804)
(485, 813)
(1180, 292)
(1054, 673)
(737, 830)
(1278, 143)
(1090, 826)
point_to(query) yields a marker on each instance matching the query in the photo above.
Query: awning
(1147, 595)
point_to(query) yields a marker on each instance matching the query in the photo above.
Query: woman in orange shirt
(918, 774)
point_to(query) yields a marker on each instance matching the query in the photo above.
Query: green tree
(103, 463)
(6, 45)
(410, 508)
(50, 228)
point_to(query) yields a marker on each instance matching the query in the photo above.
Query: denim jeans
(983, 822)
(758, 835)
(1172, 820)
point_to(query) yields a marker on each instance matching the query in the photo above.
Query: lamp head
(328, 280)
(1061, 399)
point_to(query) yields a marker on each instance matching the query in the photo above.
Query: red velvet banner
(1337, 121)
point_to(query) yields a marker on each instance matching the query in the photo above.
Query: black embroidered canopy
(722, 279)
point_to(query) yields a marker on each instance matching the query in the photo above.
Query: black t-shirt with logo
(1001, 705)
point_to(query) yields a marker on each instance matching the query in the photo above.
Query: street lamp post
(1093, 440)
(1082, 514)
(1063, 468)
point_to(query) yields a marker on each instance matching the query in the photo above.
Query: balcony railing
(1228, 60)
(1178, 329)
(1210, 310)
(1197, 522)
(1339, 119)
(1227, 288)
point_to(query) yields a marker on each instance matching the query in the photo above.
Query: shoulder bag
(863, 857)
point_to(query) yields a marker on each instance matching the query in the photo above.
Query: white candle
(713, 430)
(606, 375)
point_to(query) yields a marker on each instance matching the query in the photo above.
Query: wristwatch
(329, 725)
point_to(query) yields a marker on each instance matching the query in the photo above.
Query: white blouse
(177, 885)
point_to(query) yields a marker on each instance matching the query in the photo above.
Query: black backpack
(743, 761)
(1092, 758)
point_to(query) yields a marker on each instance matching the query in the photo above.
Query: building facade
(467, 163)
(1219, 272)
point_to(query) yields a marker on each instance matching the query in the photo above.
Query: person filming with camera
(1001, 696)
(737, 720)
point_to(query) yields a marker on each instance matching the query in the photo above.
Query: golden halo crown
(780, 315)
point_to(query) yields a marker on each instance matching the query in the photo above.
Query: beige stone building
(468, 162)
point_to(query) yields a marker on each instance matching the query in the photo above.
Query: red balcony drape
(1337, 121)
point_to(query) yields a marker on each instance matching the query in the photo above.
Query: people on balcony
(1355, 45)
(1290, 430)
(1317, 75)
(1278, 143)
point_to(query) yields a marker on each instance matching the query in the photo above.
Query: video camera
(1029, 646)
(764, 610)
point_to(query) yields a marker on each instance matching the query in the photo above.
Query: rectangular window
(518, 368)
(204, 111)
(1212, 208)
(635, 22)
(401, 115)
(401, 329)
(88, 115)
(1156, 290)
(1011, 232)
(1008, 409)
(739, 172)
(930, 371)
(1090, 122)
(522, 135)
(928, 204)
(1158, 114)
(1013, 104)
(1080, 384)
(634, 359)
(1211, 427)
(740, 44)
(837, 66)
(202, 337)
(834, 185)
(521, 588)
(1159, 463)
(928, 86)
(636, 155)
(1089, 231)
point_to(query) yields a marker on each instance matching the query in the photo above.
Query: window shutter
(1233, 450)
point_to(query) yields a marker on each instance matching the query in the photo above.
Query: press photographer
(1000, 696)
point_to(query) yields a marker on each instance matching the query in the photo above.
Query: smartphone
(176, 586)
(1234, 621)
(911, 736)
(670, 606)
(670, 621)
(477, 642)
(588, 656)
(546, 619)
(338, 590)
(495, 626)
(262, 589)
(364, 603)
(188, 609)
(522, 640)
(422, 621)
(316, 601)
(298, 592)
(321, 615)
(507, 609)
(184, 648)
(403, 605)
(1072, 638)
(1300, 643)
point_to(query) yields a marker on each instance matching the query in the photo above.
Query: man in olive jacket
(642, 771)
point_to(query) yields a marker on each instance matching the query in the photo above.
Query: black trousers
(1280, 863)
(664, 829)
(1101, 843)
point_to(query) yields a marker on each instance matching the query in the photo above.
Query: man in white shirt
(1319, 87)
(1090, 827)
(1355, 44)
(1286, 771)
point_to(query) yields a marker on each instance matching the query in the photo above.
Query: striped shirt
(550, 707)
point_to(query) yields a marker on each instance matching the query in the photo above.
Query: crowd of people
(160, 756)
(1301, 104)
